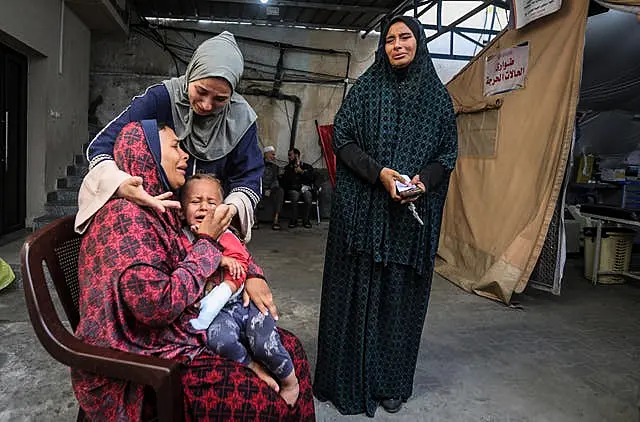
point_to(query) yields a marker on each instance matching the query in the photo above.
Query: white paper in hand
(407, 185)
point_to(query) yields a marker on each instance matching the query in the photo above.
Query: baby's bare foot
(290, 389)
(264, 376)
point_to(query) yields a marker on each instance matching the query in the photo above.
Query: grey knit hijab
(211, 137)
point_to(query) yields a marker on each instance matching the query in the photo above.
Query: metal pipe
(61, 40)
(298, 81)
(443, 29)
(493, 20)
(450, 57)
(337, 81)
(464, 29)
(426, 9)
(401, 8)
(468, 38)
(271, 66)
(6, 141)
(313, 5)
(274, 44)
(284, 97)
(247, 39)
(277, 83)
(451, 43)
(346, 78)
(294, 125)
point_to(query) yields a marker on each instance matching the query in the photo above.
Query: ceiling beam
(399, 10)
(468, 38)
(264, 22)
(464, 29)
(445, 56)
(454, 24)
(310, 5)
(503, 4)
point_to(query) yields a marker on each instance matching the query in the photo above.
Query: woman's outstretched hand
(388, 178)
(133, 191)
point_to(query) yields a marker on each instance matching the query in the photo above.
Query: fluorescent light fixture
(264, 1)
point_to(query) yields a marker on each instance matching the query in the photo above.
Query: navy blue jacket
(241, 170)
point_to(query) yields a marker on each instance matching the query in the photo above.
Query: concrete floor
(569, 358)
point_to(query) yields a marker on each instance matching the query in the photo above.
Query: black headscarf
(414, 25)
(416, 28)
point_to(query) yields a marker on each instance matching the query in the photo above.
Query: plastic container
(615, 253)
(6, 274)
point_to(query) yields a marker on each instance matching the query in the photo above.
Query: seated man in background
(271, 190)
(298, 181)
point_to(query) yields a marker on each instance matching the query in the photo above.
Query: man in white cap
(271, 190)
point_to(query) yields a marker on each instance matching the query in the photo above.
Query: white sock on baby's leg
(211, 305)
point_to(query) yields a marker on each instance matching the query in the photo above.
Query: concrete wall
(121, 70)
(57, 102)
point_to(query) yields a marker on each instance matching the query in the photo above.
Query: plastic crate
(615, 253)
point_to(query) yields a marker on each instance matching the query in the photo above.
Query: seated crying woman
(139, 284)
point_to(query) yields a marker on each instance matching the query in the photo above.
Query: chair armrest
(73, 352)
(127, 366)
(163, 375)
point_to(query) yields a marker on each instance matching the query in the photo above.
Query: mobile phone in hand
(410, 193)
(407, 189)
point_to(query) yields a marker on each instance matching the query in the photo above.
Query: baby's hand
(233, 266)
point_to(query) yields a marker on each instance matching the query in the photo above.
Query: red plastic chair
(57, 246)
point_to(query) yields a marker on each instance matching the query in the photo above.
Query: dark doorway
(13, 139)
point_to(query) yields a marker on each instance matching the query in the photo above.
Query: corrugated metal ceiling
(340, 14)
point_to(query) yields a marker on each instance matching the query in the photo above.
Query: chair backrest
(55, 249)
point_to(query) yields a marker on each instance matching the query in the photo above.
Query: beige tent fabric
(513, 152)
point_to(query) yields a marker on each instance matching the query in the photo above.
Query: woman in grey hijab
(216, 126)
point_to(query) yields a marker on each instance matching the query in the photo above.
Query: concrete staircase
(64, 200)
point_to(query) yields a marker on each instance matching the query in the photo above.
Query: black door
(13, 139)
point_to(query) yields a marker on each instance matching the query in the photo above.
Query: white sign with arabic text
(506, 71)
(526, 11)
